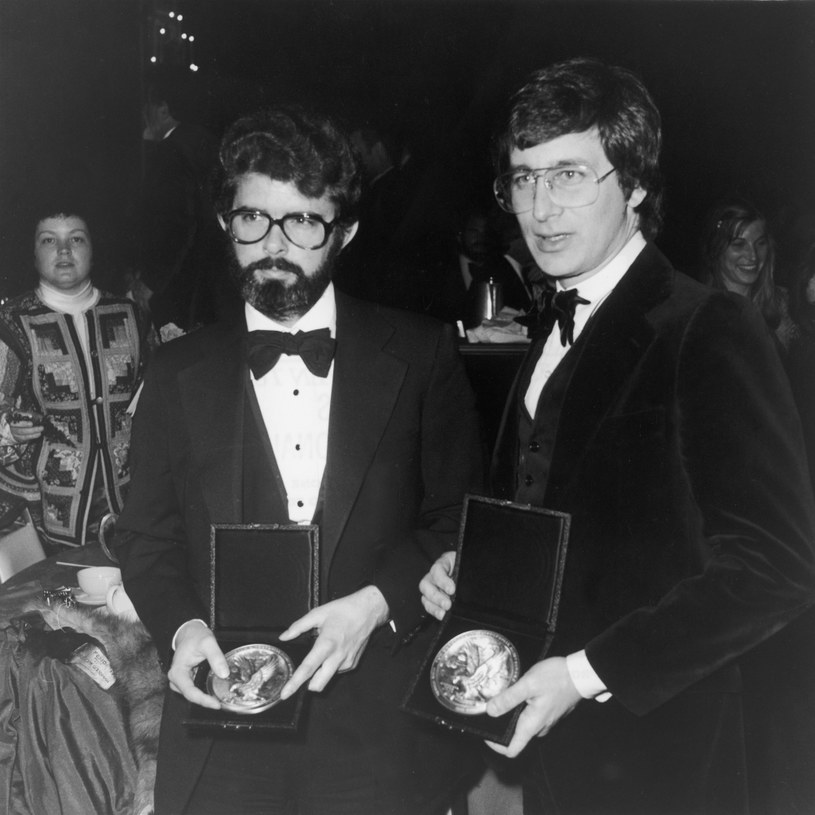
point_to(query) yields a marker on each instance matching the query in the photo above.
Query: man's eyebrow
(566, 162)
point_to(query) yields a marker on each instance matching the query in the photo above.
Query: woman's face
(744, 257)
(62, 252)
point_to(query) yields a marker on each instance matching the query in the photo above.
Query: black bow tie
(316, 348)
(553, 307)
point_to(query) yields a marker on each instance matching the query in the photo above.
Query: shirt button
(528, 480)
(296, 392)
(299, 503)
(296, 446)
(98, 401)
(534, 446)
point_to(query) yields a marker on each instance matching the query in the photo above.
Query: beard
(282, 300)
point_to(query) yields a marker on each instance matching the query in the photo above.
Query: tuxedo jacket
(403, 449)
(669, 433)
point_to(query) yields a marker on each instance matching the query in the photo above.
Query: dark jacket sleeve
(740, 451)
(151, 540)
(452, 460)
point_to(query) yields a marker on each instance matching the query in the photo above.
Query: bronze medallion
(472, 668)
(257, 674)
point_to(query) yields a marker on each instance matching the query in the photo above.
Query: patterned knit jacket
(87, 426)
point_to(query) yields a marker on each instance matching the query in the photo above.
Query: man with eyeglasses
(656, 413)
(315, 408)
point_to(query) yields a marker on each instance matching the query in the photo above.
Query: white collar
(68, 303)
(600, 285)
(323, 314)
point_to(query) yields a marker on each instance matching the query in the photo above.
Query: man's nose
(542, 205)
(275, 243)
(64, 246)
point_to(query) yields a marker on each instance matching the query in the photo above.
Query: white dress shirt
(595, 290)
(295, 406)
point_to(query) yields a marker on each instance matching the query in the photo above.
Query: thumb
(508, 699)
(301, 626)
(215, 657)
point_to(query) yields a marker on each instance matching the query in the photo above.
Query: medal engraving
(472, 668)
(257, 674)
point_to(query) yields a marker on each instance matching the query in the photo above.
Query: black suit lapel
(212, 395)
(610, 348)
(366, 386)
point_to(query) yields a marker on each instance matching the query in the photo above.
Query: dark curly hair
(580, 94)
(291, 145)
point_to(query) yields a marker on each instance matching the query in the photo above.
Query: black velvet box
(509, 571)
(263, 577)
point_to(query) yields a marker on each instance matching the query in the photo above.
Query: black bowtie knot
(552, 307)
(316, 349)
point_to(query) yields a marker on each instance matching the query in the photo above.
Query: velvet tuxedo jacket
(403, 449)
(671, 437)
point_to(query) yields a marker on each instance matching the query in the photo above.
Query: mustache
(274, 264)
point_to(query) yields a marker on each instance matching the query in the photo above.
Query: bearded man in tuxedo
(373, 436)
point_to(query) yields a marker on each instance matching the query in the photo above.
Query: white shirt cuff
(588, 684)
(196, 620)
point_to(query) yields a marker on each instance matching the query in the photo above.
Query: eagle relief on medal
(257, 674)
(472, 668)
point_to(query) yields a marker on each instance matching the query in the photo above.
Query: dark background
(735, 82)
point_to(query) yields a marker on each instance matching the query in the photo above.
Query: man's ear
(637, 196)
(222, 222)
(348, 234)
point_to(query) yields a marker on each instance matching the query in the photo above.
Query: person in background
(373, 436)
(655, 411)
(180, 253)
(738, 255)
(71, 359)
(482, 256)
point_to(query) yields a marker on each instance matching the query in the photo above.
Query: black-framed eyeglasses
(568, 185)
(304, 229)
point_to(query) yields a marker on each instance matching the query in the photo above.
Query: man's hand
(437, 587)
(195, 643)
(344, 627)
(549, 694)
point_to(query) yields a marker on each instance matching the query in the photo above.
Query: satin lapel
(366, 385)
(212, 395)
(615, 339)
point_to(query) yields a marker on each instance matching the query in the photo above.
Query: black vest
(527, 442)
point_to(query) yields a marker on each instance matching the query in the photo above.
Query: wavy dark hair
(292, 145)
(580, 94)
(801, 308)
(723, 224)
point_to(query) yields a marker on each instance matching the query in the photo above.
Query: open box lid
(509, 571)
(262, 576)
(509, 565)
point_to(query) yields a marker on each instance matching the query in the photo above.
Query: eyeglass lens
(303, 230)
(569, 186)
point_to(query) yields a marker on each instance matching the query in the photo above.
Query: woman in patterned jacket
(71, 359)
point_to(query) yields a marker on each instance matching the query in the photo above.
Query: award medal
(472, 668)
(257, 674)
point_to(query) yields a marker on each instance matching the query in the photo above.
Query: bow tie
(316, 348)
(553, 307)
